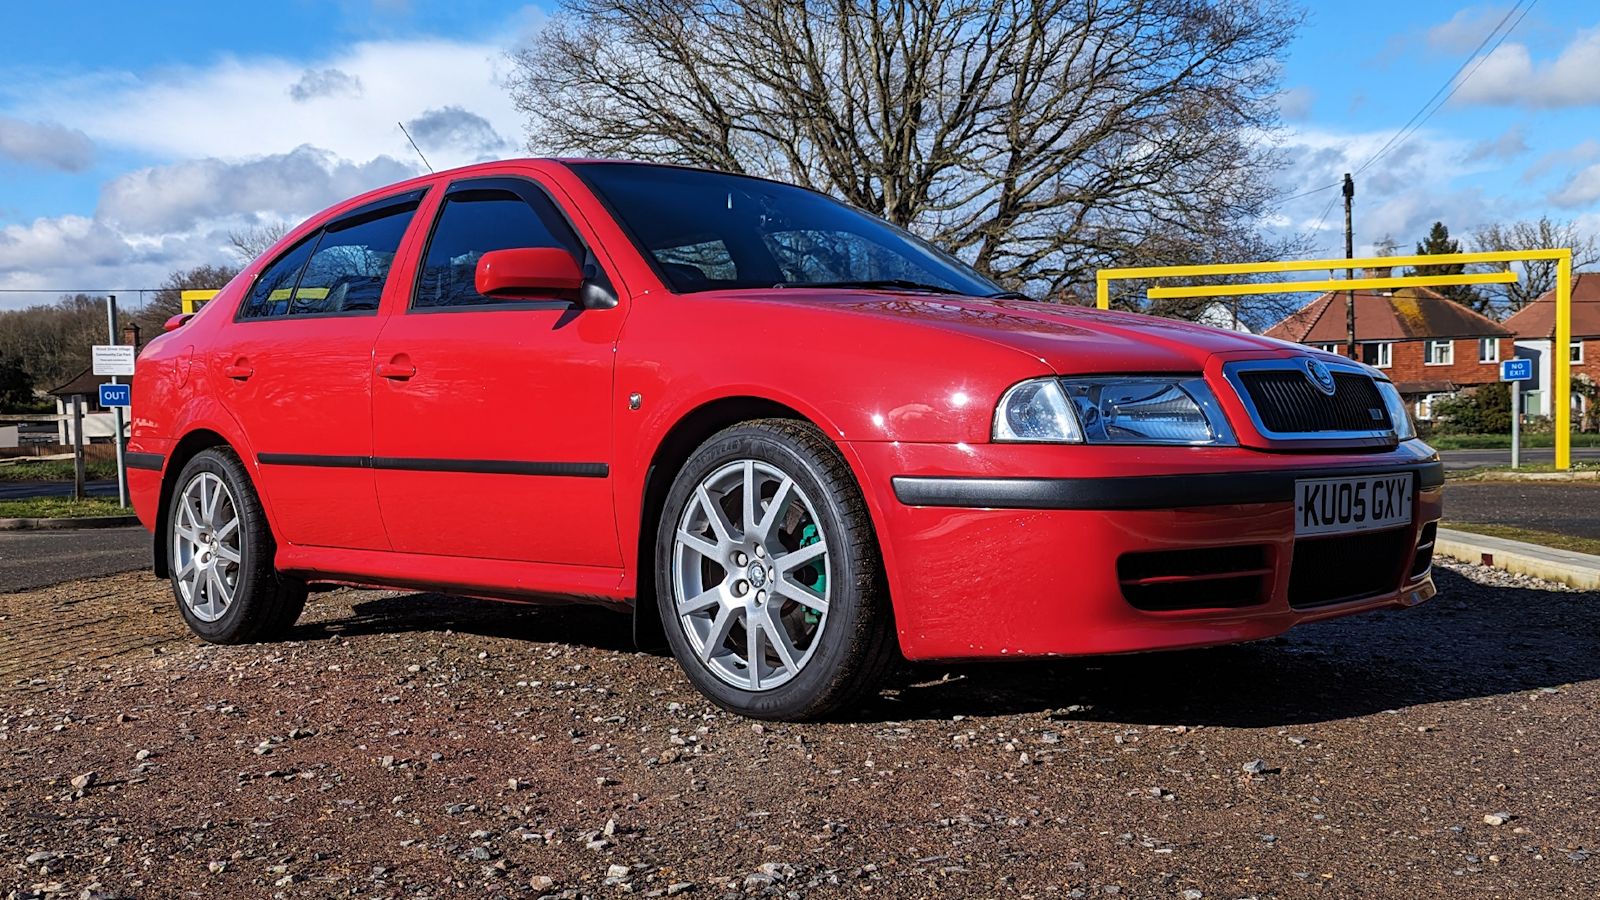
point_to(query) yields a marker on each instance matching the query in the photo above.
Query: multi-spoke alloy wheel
(767, 574)
(205, 547)
(220, 552)
(750, 575)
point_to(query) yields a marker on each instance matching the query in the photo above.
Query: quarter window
(1439, 353)
(339, 270)
(1488, 350)
(347, 271)
(1377, 353)
(477, 218)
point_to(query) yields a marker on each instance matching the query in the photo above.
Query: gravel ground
(413, 745)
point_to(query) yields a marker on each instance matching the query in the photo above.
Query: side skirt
(491, 579)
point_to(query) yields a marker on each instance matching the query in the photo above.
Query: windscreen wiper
(885, 284)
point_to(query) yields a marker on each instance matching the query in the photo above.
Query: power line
(1454, 84)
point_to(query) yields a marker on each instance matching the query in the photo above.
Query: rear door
(491, 417)
(296, 371)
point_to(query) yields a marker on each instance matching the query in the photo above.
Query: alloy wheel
(750, 575)
(206, 547)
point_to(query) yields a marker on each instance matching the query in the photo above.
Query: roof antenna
(414, 146)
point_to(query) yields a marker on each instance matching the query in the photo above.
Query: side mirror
(527, 270)
(177, 321)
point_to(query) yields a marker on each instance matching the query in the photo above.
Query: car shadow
(587, 625)
(1469, 641)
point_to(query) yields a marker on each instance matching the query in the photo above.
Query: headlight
(1036, 411)
(1404, 429)
(1148, 411)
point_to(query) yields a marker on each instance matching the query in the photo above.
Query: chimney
(1378, 272)
(130, 336)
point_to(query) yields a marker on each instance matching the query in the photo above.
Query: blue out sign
(1516, 370)
(116, 395)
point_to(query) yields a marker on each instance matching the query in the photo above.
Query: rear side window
(340, 270)
(478, 217)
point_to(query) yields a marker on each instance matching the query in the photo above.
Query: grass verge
(1569, 542)
(55, 470)
(60, 508)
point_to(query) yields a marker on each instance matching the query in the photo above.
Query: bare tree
(168, 301)
(1037, 139)
(1539, 276)
(254, 240)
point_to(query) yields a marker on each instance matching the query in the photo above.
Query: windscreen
(710, 231)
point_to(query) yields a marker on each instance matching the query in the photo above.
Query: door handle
(238, 372)
(396, 370)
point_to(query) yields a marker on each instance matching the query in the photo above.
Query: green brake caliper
(808, 536)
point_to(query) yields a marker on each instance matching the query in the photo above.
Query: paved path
(1569, 508)
(32, 559)
(1457, 460)
(23, 490)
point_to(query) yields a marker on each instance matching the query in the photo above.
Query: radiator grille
(1348, 567)
(1287, 402)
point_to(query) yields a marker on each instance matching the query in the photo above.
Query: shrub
(1485, 409)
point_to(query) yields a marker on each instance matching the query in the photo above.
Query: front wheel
(221, 555)
(769, 577)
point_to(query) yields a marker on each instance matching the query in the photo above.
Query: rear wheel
(768, 574)
(221, 555)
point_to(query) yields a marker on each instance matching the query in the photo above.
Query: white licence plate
(1347, 505)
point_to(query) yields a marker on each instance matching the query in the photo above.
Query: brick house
(1535, 326)
(1430, 346)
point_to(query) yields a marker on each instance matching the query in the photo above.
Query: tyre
(768, 575)
(221, 555)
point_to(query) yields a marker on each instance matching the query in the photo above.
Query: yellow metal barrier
(1561, 358)
(193, 299)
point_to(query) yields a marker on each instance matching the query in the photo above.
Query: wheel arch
(689, 432)
(186, 449)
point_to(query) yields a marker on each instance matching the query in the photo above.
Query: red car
(796, 439)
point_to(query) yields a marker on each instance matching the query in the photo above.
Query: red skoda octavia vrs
(793, 437)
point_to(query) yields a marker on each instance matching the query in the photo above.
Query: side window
(269, 297)
(347, 271)
(478, 218)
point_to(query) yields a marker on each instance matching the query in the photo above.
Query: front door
(491, 417)
(296, 371)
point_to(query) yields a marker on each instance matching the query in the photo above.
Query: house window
(1377, 353)
(1424, 407)
(1439, 353)
(1488, 350)
(1576, 351)
(1328, 348)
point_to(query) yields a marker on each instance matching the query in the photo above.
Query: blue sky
(134, 137)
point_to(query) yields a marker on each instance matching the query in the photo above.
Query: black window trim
(477, 182)
(361, 215)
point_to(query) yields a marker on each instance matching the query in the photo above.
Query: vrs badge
(1320, 376)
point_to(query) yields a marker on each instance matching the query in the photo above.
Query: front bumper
(997, 551)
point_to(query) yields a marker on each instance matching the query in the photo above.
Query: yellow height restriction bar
(193, 299)
(1560, 358)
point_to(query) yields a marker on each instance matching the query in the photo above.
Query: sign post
(1516, 371)
(115, 359)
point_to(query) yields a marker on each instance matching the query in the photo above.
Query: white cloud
(316, 83)
(1506, 147)
(1585, 152)
(1581, 189)
(453, 128)
(288, 185)
(1296, 102)
(1510, 77)
(1466, 29)
(45, 144)
(240, 108)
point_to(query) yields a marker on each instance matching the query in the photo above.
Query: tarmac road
(26, 490)
(31, 559)
(1563, 508)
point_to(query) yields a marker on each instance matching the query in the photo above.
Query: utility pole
(1349, 253)
(122, 468)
